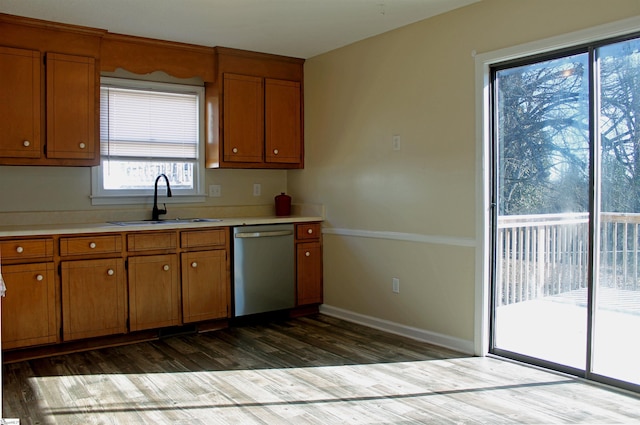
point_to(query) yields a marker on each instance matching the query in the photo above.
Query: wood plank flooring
(310, 370)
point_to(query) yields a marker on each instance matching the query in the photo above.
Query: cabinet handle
(39, 278)
(310, 231)
(307, 253)
(194, 264)
(92, 245)
(19, 250)
(275, 151)
(110, 272)
(82, 145)
(165, 267)
(234, 150)
(26, 143)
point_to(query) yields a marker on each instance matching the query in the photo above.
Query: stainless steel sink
(166, 221)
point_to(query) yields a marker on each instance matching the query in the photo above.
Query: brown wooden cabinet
(205, 275)
(255, 111)
(154, 292)
(20, 104)
(283, 122)
(29, 307)
(71, 107)
(94, 298)
(262, 120)
(205, 287)
(49, 85)
(308, 264)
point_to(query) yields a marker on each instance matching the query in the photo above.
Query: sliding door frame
(485, 192)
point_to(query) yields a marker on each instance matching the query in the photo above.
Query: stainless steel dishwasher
(263, 268)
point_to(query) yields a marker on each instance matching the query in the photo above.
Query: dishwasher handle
(264, 234)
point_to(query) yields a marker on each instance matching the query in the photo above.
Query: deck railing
(544, 255)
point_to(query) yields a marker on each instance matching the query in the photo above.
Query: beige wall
(35, 189)
(417, 82)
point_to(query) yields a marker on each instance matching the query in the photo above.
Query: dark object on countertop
(283, 205)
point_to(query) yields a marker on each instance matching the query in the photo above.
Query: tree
(543, 138)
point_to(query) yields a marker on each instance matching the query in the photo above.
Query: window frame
(101, 196)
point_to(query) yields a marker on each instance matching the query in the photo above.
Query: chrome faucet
(155, 214)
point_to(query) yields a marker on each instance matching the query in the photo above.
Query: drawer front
(26, 249)
(308, 231)
(84, 245)
(196, 238)
(151, 241)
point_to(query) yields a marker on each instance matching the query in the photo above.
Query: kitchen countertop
(105, 227)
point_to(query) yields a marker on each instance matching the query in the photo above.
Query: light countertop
(105, 227)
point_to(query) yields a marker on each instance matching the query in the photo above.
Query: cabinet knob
(92, 245)
(19, 250)
(310, 231)
(275, 151)
(110, 272)
(194, 264)
(165, 267)
(39, 278)
(307, 253)
(26, 143)
(82, 145)
(234, 150)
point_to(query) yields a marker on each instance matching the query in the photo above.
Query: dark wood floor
(313, 370)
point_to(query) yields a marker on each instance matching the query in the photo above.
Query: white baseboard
(434, 338)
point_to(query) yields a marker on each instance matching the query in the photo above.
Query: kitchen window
(148, 129)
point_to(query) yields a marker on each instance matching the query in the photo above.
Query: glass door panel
(541, 121)
(616, 345)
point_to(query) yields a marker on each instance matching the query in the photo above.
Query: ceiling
(299, 28)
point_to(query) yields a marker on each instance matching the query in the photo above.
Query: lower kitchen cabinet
(154, 292)
(308, 263)
(205, 286)
(309, 273)
(29, 307)
(94, 298)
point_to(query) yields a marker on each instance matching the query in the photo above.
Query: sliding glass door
(566, 222)
(616, 338)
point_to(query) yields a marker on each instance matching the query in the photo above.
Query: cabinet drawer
(196, 238)
(26, 249)
(151, 241)
(84, 245)
(308, 231)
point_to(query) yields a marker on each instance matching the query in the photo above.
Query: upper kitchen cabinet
(48, 80)
(255, 112)
(71, 107)
(19, 103)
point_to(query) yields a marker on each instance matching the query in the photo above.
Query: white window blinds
(146, 124)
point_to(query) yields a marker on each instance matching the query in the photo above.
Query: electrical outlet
(395, 142)
(395, 285)
(257, 189)
(215, 191)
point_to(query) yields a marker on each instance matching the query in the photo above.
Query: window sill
(146, 200)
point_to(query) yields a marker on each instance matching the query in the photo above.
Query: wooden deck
(314, 370)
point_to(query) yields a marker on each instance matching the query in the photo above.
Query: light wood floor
(313, 370)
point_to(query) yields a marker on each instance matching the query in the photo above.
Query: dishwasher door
(263, 268)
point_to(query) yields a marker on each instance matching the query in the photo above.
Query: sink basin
(167, 221)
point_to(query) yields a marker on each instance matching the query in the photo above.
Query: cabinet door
(205, 285)
(19, 103)
(71, 107)
(309, 273)
(29, 307)
(243, 117)
(94, 298)
(154, 292)
(283, 121)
